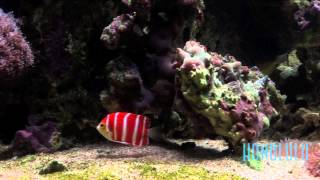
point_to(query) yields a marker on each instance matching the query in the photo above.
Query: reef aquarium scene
(160, 89)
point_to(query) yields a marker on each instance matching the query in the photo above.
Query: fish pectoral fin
(108, 135)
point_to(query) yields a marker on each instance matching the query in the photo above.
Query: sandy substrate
(118, 158)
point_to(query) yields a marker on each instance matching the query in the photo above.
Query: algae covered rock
(289, 68)
(233, 98)
(298, 78)
(52, 167)
(126, 91)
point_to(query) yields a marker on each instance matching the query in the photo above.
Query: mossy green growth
(182, 172)
(92, 172)
(276, 98)
(202, 94)
(204, 97)
(27, 159)
(52, 167)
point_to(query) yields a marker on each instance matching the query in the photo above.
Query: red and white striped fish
(126, 128)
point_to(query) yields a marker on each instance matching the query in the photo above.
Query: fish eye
(101, 125)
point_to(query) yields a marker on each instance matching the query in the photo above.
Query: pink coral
(194, 47)
(192, 64)
(248, 121)
(15, 52)
(216, 59)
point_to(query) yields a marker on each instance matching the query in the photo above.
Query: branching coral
(15, 52)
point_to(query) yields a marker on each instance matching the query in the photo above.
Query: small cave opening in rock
(14, 118)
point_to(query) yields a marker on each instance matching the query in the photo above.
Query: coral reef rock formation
(234, 99)
(35, 138)
(147, 33)
(206, 94)
(298, 77)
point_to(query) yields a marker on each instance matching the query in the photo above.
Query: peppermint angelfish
(126, 128)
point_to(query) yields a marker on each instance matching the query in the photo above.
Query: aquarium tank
(160, 89)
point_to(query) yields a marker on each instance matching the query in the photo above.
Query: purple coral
(248, 121)
(265, 105)
(315, 7)
(111, 34)
(34, 139)
(301, 20)
(308, 15)
(15, 52)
